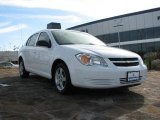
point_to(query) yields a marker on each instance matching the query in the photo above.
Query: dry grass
(8, 72)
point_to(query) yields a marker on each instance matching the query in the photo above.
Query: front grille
(127, 64)
(124, 62)
(123, 59)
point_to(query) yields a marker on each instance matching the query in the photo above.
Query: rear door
(29, 52)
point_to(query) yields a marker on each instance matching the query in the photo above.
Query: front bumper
(103, 77)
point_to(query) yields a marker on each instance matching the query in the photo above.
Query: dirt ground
(36, 99)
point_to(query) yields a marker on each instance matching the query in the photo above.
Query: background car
(7, 65)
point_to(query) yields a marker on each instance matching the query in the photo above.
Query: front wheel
(62, 79)
(22, 72)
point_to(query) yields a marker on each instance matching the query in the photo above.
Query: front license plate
(133, 76)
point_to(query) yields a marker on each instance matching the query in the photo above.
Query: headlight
(88, 59)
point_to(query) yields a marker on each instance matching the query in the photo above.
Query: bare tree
(15, 48)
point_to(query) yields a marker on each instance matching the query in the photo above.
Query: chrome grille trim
(123, 59)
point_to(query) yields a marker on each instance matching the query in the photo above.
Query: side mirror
(43, 43)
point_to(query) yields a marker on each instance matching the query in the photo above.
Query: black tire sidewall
(25, 73)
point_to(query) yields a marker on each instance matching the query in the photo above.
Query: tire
(62, 79)
(22, 72)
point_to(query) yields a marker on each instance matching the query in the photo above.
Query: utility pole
(118, 23)
(119, 38)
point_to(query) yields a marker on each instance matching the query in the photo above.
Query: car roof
(60, 30)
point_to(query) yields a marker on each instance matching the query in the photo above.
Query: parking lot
(36, 99)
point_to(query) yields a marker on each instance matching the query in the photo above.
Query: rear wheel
(62, 79)
(22, 72)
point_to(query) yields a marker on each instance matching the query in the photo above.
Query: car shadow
(124, 98)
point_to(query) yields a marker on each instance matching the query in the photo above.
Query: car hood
(104, 51)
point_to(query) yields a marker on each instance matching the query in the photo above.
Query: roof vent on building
(53, 25)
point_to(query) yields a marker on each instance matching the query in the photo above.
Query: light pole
(119, 38)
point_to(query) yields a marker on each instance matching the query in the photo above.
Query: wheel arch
(56, 62)
(20, 58)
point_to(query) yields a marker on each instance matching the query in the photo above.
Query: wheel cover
(60, 79)
(21, 68)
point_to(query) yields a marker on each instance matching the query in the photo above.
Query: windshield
(75, 37)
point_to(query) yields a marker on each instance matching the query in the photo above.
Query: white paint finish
(42, 55)
(148, 20)
(93, 76)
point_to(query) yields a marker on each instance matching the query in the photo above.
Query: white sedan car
(73, 58)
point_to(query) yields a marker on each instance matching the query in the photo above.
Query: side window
(27, 44)
(44, 37)
(32, 40)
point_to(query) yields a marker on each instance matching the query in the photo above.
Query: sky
(21, 18)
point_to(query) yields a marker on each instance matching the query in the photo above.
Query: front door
(42, 57)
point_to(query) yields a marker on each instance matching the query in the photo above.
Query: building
(138, 32)
(11, 56)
